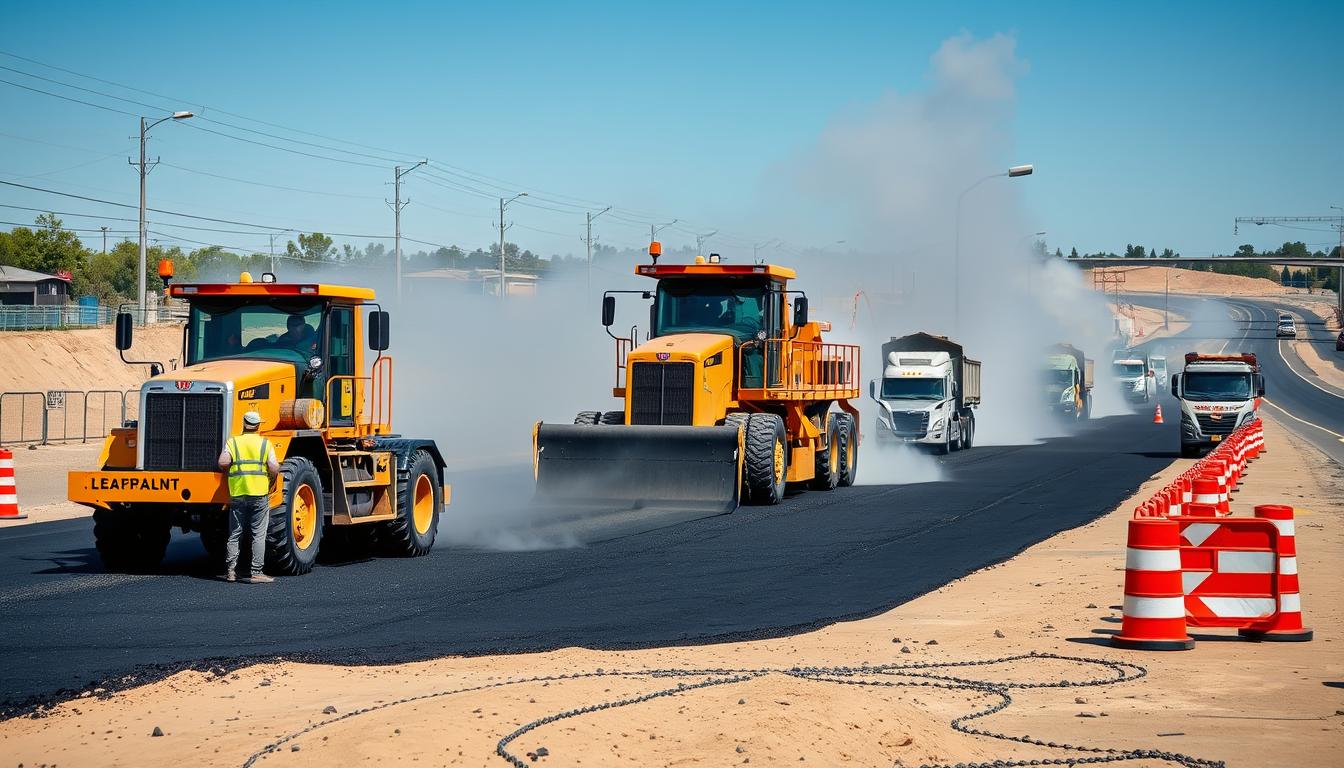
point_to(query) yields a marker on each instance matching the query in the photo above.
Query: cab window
(284, 331)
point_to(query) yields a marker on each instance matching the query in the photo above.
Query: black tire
(412, 534)
(946, 447)
(849, 449)
(765, 440)
(827, 474)
(131, 540)
(612, 417)
(292, 550)
(739, 420)
(967, 431)
(587, 418)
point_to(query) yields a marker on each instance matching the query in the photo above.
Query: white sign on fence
(55, 400)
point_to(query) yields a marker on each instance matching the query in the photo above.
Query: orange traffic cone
(9, 499)
(1157, 415)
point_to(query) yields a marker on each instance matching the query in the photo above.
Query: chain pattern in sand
(921, 674)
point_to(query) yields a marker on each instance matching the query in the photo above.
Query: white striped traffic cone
(9, 496)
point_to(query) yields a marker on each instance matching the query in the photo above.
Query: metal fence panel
(63, 416)
(21, 417)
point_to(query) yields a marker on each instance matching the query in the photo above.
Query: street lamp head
(183, 115)
(1020, 170)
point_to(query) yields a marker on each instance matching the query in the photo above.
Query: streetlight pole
(104, 240)
(144, 171)
(588, 241)
(654, 229)
(397, 205)
(1012, 173)
(700, 241)
(502, 205)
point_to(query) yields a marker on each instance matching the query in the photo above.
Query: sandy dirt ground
(1149, 323)
(1159, 279)
(1253, 705)
(83, 359)
(39, 477)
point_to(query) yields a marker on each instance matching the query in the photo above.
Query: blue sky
(1155, 123)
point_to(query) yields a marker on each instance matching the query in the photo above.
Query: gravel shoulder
(1249, 704)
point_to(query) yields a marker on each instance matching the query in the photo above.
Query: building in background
(24, 287)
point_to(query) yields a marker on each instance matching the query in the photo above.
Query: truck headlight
(1066, 396)
(937, 424)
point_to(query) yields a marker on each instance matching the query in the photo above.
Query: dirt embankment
(1159, 279)
(84, 359)
(1253, 705)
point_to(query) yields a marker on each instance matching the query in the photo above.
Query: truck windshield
(911, 388)
(1060, 377)
(286, 331)
(1207, 385)
(687, 305)
(1128, 370)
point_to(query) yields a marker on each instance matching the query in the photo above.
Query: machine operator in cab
(249, 461)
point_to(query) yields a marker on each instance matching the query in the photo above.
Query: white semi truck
(1218, 393)
(928, 391)
(1132, 373)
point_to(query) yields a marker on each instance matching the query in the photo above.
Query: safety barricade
(9, 495)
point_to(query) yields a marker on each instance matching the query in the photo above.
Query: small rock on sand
(999, 633)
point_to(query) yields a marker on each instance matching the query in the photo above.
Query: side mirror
(608, 311)
(124, 325)
(872, 389)
(1176, 385)
(379, 331)
(800, 311)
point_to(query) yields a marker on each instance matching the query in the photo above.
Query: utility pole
(144, 170)
(756, 249)
(588, 241)
(104, 240)
(502, 205)
(397, 204)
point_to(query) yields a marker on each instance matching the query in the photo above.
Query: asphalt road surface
(759, 572)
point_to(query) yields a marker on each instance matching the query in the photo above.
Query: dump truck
(1133, 374)
(928, 392)
(730, 399)
(1068, 382)
(290, 352)
(1217, 394)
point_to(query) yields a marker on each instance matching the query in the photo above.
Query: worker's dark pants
(245, 511)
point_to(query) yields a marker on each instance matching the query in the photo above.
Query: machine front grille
(183, 431)
(910, 423)
(662, 393)
(1220, 426)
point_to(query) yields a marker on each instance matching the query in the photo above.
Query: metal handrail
(377, 395)
(792, 368)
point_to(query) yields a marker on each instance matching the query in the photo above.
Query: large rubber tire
(587, 418)
(766, 462)
(967, 431)
(419, 500)
(612, 417)
(946, 447)
(740, 420)
(827, 474)
(295, 532)
(849, 449)
(131, 540)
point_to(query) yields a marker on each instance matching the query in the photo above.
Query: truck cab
(1135, 378)
(1068, 382)
(1218, 394)
(927, 392)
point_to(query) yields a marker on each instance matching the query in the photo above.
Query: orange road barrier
(9, 496)
(1286, 626)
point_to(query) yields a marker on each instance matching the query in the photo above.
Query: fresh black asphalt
(817, 558)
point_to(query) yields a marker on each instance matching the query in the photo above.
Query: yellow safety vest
(248, 475)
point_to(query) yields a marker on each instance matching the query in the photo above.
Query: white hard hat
(252, 419)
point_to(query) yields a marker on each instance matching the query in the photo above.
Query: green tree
(1284, 276)
(47, 247)
(314, 248)
(1073, 253)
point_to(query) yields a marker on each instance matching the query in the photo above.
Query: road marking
(1266, 401)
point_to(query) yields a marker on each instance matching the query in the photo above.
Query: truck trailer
(928, 391)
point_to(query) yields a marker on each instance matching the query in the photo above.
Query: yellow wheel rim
(834, 454)
(422, 504)
(849, 455)
(779, 462)
(304, 518)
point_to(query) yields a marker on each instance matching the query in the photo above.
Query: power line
(264, 184)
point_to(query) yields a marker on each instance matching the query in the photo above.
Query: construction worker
(250, 463)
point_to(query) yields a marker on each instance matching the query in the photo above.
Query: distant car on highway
(1284, 317)
(1339, 342)
(1287, 328)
